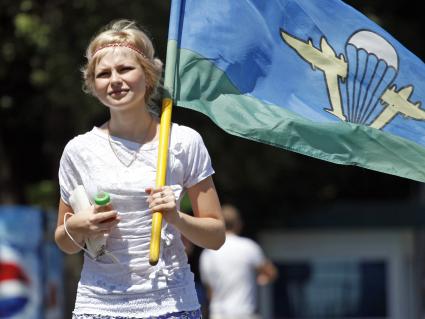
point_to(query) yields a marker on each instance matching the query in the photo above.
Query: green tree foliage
(41, 101)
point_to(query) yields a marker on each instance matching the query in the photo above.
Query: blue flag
(314, 77)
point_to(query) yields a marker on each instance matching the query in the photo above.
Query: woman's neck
(140, 128)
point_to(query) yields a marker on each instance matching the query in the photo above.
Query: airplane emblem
(368, 100)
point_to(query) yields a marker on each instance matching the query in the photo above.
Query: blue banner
(21, 274)
(318, 71)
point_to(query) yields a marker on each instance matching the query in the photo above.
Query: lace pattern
(193, 314)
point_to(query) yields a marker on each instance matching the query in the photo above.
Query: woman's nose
(115, 77)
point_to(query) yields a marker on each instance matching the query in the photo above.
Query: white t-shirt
(134, 288)
(231, 273)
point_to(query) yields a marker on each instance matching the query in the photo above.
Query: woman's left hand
(163, 200)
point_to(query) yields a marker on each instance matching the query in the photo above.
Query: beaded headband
(119, 44)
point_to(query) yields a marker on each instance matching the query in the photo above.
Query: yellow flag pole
(164, 137)
(165, 127)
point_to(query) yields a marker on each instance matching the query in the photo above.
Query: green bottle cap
(102, 198)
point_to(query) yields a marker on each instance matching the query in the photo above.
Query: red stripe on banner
(12, 271)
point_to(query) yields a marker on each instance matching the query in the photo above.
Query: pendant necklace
(134, 152)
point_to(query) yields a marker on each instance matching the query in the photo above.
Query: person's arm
(80, 226)
(266, 273)
(206, 227)
(208, 292)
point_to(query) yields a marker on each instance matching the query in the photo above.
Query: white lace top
(133, 288)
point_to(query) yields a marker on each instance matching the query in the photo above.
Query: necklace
(111, 144)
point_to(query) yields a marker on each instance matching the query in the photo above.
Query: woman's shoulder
(182, 133)
(83, 140)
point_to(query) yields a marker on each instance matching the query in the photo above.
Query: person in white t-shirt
(232, 273)
(120, 157)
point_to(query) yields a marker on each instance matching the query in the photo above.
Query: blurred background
(349, 242)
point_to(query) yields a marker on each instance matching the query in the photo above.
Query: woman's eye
(102, 75)
(126, 68)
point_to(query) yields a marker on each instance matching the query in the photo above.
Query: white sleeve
(69, 177)
(198, 160)
(257, 255)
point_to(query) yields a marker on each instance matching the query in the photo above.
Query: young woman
(120, 158)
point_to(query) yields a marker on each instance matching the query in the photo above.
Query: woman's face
(119, 79)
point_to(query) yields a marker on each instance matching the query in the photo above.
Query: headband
(119, 44)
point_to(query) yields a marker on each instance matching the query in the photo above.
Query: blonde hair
(125, 32)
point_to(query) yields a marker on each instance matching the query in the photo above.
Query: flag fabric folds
(314, 77)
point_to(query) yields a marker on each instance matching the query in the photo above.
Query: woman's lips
(118, 92)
